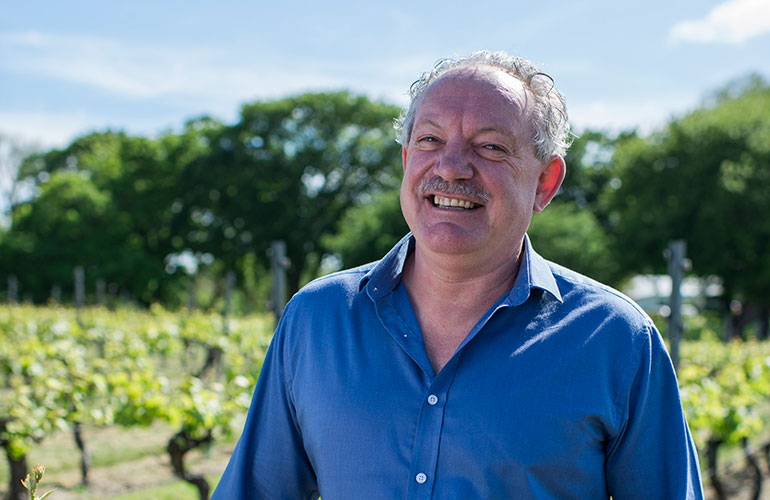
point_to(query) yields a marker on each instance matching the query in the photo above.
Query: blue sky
(67, 68)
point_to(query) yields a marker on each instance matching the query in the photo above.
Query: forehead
(484, 95)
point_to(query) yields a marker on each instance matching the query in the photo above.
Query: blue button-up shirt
(562, 390)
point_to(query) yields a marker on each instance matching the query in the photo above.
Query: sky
(69, 68)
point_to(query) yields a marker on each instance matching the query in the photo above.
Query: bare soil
(126, 477)
(152, 467)
(738, 482)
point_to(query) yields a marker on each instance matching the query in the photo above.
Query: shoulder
(588, 295)
(321, 312)
(603, 317)
(345, 283)
(612, 330)
(330, 295)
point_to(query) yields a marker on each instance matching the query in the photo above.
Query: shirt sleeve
(269, 462)
(653, 455)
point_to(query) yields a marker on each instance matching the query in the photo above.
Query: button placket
(428, 437)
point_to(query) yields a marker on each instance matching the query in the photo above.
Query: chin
(451, 241)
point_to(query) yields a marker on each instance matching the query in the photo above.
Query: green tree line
(321, 172)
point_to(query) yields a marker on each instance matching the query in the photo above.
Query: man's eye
(428, 138)
(493, 147)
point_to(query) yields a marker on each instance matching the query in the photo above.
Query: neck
(449, 296)
(457, 279)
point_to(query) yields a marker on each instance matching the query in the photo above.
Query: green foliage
(589, 169)
(725, 388)
(368, 231)
(321, 171)
(127, 207)
(574, 231)
(699, 179)
(58, 231)
(104, 203)
(32, 481)
(287, 170)
(138, 368)
(572, 237)
(127, 368)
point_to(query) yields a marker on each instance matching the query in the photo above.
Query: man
(463, 365)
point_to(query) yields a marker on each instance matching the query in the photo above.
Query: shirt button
(421, 478)
(432, 399)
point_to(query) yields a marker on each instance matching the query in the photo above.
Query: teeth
(442, 201)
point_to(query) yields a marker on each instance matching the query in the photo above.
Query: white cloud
(732, 22)
(194, 80)
(56, 129)
(644, 115)
(150, 70)
(44, 129)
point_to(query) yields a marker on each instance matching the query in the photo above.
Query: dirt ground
(739, 483)
(127, 477)
(152, 471)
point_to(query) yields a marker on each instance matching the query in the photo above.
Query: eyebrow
(427, 121)
(510, 135)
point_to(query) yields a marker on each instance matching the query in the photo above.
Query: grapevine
(60, 370)
(127, 368)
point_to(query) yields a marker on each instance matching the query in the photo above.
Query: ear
(403, 157)
(549, 182)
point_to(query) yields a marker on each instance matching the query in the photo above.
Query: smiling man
(463, 365)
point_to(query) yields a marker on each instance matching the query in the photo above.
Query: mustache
(437, 185)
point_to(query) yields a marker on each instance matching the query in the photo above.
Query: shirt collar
(534, 272)
(386, 274)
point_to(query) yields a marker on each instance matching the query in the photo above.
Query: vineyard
(64, 369)
(192, 375)
(725, 390)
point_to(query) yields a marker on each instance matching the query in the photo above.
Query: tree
(703, 178)
(113, 193)
(287, 170)
(589, 169)
(573, 230)
(368, 231)
(70, 223)
(572, 237)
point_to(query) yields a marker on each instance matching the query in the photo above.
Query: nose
(454, 163)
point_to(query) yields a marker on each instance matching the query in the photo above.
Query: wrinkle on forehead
(507, 85)
(491, 82)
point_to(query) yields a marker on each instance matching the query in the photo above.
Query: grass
(108, 446)
(127, 464)
(120, 456)
(176, 490)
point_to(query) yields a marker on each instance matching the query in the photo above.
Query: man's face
(471, 178)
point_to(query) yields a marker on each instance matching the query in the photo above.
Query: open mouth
(446, 202)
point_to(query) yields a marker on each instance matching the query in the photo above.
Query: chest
(501, 414)
(442, 336)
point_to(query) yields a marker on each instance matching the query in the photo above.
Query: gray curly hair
(551, 134)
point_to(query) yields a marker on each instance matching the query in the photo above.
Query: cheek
(406, 198)
(411, 179)
(519, 199)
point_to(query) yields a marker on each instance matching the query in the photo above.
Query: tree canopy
(288, 170)
(704, 178)
(127, 207)
(321, 172)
